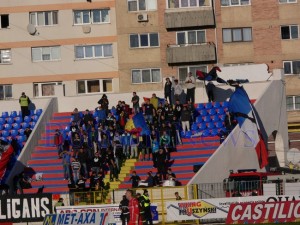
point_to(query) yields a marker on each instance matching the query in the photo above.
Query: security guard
(24, 103)
(123, 206)
(145, 204)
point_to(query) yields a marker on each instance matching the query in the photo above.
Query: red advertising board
(264, 212)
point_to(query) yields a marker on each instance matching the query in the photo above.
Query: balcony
(183, 19)
(191, 53)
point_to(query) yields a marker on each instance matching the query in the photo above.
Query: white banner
(83, 218)
(214, 208)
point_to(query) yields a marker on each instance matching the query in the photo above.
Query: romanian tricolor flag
(137, 124)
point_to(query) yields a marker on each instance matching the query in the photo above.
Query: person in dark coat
(168, 90)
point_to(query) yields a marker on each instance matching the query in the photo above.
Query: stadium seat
(27, 119)
(25, 125)
(200, 106)
(10, 120)
(14, 133)
(3, 139)
(203, 112)
(206, 119)
(16, 126)
(225, 104)
(182, 134)
(219, 124)
(2, 120)
(35, 118)
(13, 114)
(32, 124)
(32, 112)
(217, 105)
(221, 111)
(5, 133)
(206, 133)
(222, 117)
(21, 138)
(188, 134)
(194, 127)
(4, 114)
(198, 119)
(21, 131)
(212, 111)
(38, 112)
(214, 132)
(215, 118)
(7, 126)
(20, 113)
(202, 126)
(67, 129)
(18, 119)
(208, 105)
(1, 126)
(210, 125)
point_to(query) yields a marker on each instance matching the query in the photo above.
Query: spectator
(27, 132)
(177, 196)
(161, 162)
(104, 144)
(254, 193)
(149, 180)
(75, 165)
(171, 175)
(83, 158)
(104, 102)
(59, 203)
(87, 117)
(134, 179)
(119, 108)
(76, 144)
(154, 101)
(191, 108)
(134, 142)
(110, 119)
(58, 141)
(155, 149)
(24, 103)
(122, 120)
(185, 119)
(123, 206)
(177, 90)
(134, 210)
(21, 181)
(148, 111)
(66, 160)
(165, 140)
(112, 165)
(76, 116)
(146, 146)
(157, 179)
(96, 163)
(191, 86)
(135, 103)
(125, 141)
(74, 128)
(210, 91)
(100, 113)
(237, 194)
(177, 109)
(168, 90)
(80, 184)
(145, 204)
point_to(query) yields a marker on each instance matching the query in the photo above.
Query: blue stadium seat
(21, 131)
(206, 119)
(16, 126)
(210, 125)
(3, 139)
(1, 126)
(10, 120)
(222, 117)
(2, 120)
(13, 114)
(38, 112)
(214, 132)
(203, 112)
(27, 119)
(35, 118)
(21, 138)
(4, 114)
(200, 106)
(217, 105)
(208, 105)
(182, 134)
(206, 133)
(198, 119)
(221, 111)
(212, 111)
(225, 104)
(215, 118)
(32, 112)
(18, 119)
(7, 126)
(188, 134)
(219, 124)
(32, 124)
(14, 133)
(202, 126)
(20, 113)
(5, 133)
(194, 127)
(67, 129)
(25, 125)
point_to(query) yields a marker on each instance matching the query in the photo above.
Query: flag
(5, 158)
(240, 106)
(211, 75)
(160, 100)
(137, 124)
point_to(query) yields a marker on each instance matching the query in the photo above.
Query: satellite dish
(86, 29)
(293, 155)
(31, 29)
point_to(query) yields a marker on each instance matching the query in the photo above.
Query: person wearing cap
(190, 87)
(145, 205)
(24, 103)
(134, 209)
(59, 203)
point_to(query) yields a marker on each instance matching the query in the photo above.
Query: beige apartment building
(109, 46)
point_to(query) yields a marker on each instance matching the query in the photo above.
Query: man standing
(123, 206)
(145, 204)
(210, 91)
(191, 86)
(135, 179)
(134, 210)
(177, 90)
(24, 103)
(168, 90)
(135, 103)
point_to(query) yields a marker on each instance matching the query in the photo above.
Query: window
(141, 5)
(5, 91)
(4, 21)
(287, 1)
(45, 89)
(235, 2)
(94, 16)
(139, 76)
(291, 67)
(191, 37)
(45, 53)
(47, 18)
(93, 51)
(94, 86)
(237, 34)
(290, 32)
(144, 40)
(292, 103)
(5, 56)
(187, 3)
(183, 71)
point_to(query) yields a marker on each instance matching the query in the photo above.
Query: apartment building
(71, 43)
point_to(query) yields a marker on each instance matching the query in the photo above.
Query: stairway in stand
(44, 159)
(193, 151)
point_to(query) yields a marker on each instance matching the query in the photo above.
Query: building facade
(109, 46)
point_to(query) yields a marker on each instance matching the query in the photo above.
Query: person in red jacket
(134, 210)
(58, 141)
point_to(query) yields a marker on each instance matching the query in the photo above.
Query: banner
(266, 212)
(88, 218)
(4, 159)
(25, 208)
(111, 208)
(215, 208)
